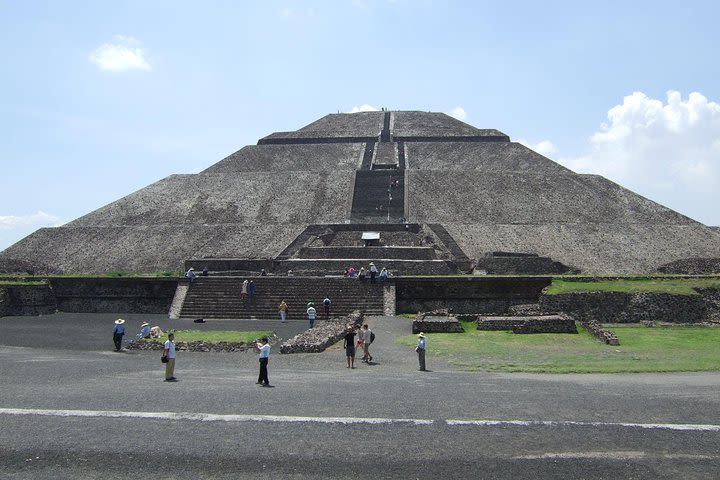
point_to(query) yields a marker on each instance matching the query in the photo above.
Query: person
(384, 275)
(244, 292)
(349, 345)
(361, 275)
(366, 336)
(251, 291)
(420, 349)
(190, 274)
(118, 332)
(283, 309)
(326, 304)
(373, 272)
(144, 331)
(351, 271)
(156, 332)
(311, 313)
(264, 348)
(290, 273)
(169, 352)
(205, 272)
(263, 273)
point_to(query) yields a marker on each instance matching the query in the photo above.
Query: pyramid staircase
(219, 297)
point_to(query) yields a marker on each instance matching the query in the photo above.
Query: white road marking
(211, 417)
(694, 427)
(217, 417)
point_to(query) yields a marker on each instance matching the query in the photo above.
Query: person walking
(169, 353)
(311, 313)
(118, 332)
(326, 304)
(283, 309)
(349, 345)
(420, 349)
(264, 348)
(366, 336)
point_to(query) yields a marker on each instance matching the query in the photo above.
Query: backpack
(372, 337)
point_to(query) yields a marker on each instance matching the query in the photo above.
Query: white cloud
(36, 220)
(544, 147)
(459, 113)
(121, 55)
(364, 108)
(668, 151)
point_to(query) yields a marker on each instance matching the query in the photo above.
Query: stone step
(368, 253)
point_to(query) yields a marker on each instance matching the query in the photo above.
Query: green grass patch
(676, 286)
(642, 349)
(214, 336)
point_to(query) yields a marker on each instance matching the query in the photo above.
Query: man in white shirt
(264, 348)
(366, 337)
(311, 313)
(169, 352)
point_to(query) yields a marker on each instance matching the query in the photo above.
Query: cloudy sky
(99, 99)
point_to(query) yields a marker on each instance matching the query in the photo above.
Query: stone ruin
(445, 197)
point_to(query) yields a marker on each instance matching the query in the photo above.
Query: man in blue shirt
(118, 332)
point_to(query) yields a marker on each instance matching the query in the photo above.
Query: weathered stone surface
(438, 321)
(600, 333)
(200, 346)
(692, 266)
(546, 324)
(617, 307)
(26, 299)
(315, 340)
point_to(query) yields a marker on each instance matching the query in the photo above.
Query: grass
(675, 286)
(215, 336)
(642, 349)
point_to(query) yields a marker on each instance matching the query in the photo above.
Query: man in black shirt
(349, 344)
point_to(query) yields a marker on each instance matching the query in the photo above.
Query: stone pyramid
(488, 197)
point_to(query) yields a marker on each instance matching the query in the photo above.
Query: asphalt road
(70, 407)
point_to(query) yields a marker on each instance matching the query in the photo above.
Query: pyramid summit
(444, 196)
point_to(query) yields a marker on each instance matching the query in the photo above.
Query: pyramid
(470, 194)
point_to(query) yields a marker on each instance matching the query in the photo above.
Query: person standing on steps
(326, 304)
(251, 291)
(373, 272)
(264, 348)
(420, 349)
(118, 332)
(311, 313)
(169, 352)
(244, 292)
(283, 309)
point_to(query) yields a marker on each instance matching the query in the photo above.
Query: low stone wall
(547, 324)
(498, 323)
(325, 334)
(199, 346)
(618, 307)
(692, 266)
(436, 324)
(26, 299)
(600, 333)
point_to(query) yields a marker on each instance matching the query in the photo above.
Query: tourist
(349, 345)
(420, 349)
(311, 313)
(384, 274)
(244, 292)
(373, 272)
(290, 273)
(190, 274)
(264, 348)
(361, 275)
(251, 291)
(326, 304)
(283, 309)
(366, 336)
(263, 273)
(144, 331)
(205, 272)
(169, 354)
(118, 332)
(351, 271)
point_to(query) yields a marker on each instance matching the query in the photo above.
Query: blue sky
(99, 99)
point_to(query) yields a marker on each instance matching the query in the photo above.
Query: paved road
(72, 408)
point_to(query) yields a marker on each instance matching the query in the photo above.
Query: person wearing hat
(420, 349)
(118, 332)
(190, 274)
(169, 352)
(144, 331)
